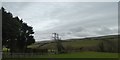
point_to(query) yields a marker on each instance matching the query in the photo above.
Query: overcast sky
(59, 0)
(69, 19)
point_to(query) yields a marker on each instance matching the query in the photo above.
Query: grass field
(77, 44)
(72, 56)
(81, 55)
(75, 55)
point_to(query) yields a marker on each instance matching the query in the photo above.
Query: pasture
(71, 56)
(89, 50)
(81, 55)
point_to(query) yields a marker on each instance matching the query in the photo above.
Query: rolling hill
(109, 42)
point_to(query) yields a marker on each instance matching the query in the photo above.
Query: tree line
(16, 34)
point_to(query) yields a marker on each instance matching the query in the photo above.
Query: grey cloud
(70, 19)
(60, 0)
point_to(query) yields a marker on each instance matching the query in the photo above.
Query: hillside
(85, 44)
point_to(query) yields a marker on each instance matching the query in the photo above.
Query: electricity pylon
(60, 48)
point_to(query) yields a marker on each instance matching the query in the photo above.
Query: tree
(10, 29)
(25, 37)
(15, 33)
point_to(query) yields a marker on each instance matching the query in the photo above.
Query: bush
(108, 46)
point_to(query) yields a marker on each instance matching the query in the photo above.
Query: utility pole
(60, 48)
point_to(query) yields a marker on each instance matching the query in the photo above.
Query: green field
(81, 55)
(88, 44)
(77, 43)
(76, 55)
(71, 44)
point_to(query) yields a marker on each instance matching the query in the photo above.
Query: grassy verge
(72, 56)
(81, 55)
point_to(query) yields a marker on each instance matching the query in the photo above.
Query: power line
(59, 45)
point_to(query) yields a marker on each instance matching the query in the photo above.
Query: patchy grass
(81, 55)
(81, 43)
(77, 43)
(75, 55)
